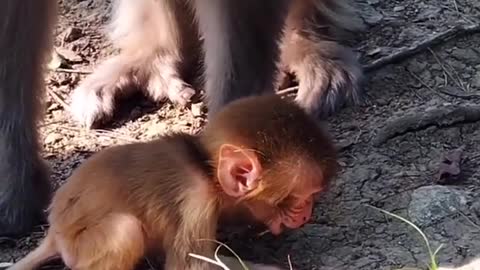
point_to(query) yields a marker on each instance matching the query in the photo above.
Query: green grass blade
(433, 262)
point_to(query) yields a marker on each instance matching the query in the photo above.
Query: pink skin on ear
(238, 170)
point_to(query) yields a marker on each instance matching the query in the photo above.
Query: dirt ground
(396, 171)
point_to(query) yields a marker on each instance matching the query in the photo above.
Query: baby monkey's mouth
(274, 228)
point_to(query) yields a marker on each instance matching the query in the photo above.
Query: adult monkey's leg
(25, 41)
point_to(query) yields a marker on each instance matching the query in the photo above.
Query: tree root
(405, 52)
(441, 117)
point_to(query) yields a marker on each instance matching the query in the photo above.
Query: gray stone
(475, 208)
(369, 14)
(416, 66)
(457, 65)
(428, 12)
(53, 138)
(476, 80)
(469, 55)
(430, 204)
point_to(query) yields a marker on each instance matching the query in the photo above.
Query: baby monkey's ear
(238, 170)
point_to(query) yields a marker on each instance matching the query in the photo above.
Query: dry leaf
(449, 168)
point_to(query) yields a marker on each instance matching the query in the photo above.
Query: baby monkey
(264, 154)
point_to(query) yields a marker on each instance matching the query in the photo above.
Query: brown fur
(24, 185)
(169, 193)
(242, 48)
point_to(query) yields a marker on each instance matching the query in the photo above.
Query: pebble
(53, 138)
(197, 109)
(476, 80)
(430, 204)
(156, 130)
(369, 14)
(468, 55)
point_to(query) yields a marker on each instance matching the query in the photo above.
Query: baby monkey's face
(291, 212)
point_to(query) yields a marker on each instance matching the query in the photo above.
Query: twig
(435, 39)
(287, 91)
(424, 84)
(50, 123)
(100, 133)
(459, 95)
(115, 135)
(68, 70)
(459, 81)
(469, 220)
(58, 99)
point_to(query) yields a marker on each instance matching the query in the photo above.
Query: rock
(409, 34)
(398, 8)
(428, 13)
(439, 81)
(425, 75)
(476, 80)
(475, 208)
(69, 55)
(435, 67)
(468, 55)
(53, 138)
(416, 66)
(457, 65)
(156, 130)
(476, 4)
(369, 14)
(197, 109)
(71, 34)
(430, 204)
(56, 60)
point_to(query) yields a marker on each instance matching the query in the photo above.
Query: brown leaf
(449, 169)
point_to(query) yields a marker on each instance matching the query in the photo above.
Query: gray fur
(244, 42)
(24, 183)
(241, 47)
(329, 73)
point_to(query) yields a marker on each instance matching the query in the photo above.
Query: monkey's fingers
(326, 84)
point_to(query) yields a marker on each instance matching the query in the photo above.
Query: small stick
(68, 70)
(100, 133)
(435, 39)
(58, 99)
(425, 84)
(289, 90)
